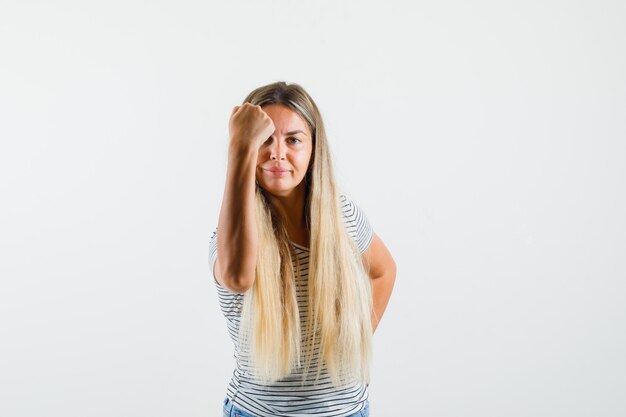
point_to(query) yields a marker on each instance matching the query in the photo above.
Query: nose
(277, 151)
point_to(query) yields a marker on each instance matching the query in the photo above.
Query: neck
(291, 208)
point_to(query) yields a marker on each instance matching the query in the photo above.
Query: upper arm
(377, 258)
(375, 254)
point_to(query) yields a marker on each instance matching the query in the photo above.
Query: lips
(277, 172)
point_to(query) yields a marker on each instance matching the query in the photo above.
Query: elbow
(237, 283)
(234, 276)
(390, 271)
(238, 287)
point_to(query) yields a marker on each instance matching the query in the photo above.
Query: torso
(288, 397)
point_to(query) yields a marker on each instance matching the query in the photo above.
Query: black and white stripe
(288, 397)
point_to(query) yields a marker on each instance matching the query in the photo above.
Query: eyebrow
(293, 132)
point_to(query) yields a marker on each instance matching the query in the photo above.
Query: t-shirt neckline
(298, 246)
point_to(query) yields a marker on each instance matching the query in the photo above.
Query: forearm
(237, 237)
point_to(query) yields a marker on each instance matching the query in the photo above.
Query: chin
(277, 191)
(279, 188)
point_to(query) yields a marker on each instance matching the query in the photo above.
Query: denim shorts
(232, 411)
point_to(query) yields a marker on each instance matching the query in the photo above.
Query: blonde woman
(301, 277)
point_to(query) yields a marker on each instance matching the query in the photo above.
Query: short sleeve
(230, 303)
(213, 252)
(359, 227)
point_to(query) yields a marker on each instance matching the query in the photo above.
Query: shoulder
(356, 222)
(349, 208)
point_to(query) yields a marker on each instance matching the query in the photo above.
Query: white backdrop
(485, 141)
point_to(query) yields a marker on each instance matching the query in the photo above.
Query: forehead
(285, 120)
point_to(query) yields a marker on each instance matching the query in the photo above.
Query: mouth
(276, 172)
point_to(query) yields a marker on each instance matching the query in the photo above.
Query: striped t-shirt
(287, 397)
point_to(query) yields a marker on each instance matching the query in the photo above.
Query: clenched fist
(249, 126)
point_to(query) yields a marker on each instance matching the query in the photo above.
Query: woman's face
(283, 158)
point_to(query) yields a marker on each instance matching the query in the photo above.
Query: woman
(292, 255)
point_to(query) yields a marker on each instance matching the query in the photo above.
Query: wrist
(242, 149)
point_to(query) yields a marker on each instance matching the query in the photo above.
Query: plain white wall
(484, 140)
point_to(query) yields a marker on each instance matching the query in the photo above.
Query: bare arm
(382, 277)
(237, 232)
(237, 228)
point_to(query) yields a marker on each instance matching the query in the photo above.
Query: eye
(296, 139)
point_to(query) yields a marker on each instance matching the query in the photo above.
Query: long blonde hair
(339, 293)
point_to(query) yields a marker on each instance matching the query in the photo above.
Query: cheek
(304, 158)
